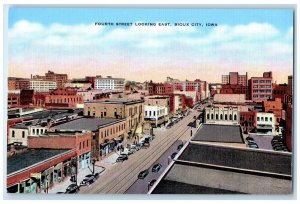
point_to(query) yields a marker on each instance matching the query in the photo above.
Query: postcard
(119, 100)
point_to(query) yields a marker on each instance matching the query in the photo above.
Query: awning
(139, 130)
(36, 175)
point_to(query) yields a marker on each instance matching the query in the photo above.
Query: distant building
(109, 83)
(13, 100)
(234, 89)
(26, 97)
(42, 85)
(230, 98)
(289, 134)
(260, 88)
(15, 83)
(273, 106)
(235, 79)
(279, 91)
(156, 115)
(265, 123)
(158, 101)
(290, 85)
(221, 115)
(248, 120)
(60, 79)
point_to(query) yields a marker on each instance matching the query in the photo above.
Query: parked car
(73, 188)
(151, 183)
(179, 147)
(146, 144)
(122, 157)
(251, 142)
(156, 167)
(89, 179)
(173, 155)
(96, 175)
(249, 138)
(143, 174)
(253, 146)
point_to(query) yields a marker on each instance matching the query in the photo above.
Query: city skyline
(256, 41)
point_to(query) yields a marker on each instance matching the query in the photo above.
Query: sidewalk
(61, 187)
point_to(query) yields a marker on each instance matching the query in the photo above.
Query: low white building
(156, 115)
(265, 123)
(222, 115)
(42, 85)
(20, 132)
(110, 83)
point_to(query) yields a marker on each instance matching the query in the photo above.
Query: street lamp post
(191, 131)
(93, 162)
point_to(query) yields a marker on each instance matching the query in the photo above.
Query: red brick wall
(62, 142)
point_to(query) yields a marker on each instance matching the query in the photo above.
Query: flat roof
(212, 169)
(31, 157)
(118, 101)
(243, 158)
(91, 124)
(219, 133)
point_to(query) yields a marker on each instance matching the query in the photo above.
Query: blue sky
(66, 40)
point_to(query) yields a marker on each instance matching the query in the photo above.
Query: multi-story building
(221, 115)
(235, 79)
(60, 79)
(158, 101)
(290, 85)
(42, 85)
(26, 97)
(289, 127)
(273, 106)
(156, 115)
(109, 83)
(248, 120)
(130, 110)
(13, 100)
(19, 132)
(15, 83)
(279, 90)
(234, 89)
(108, 134)
(265, 123)
(260, 88)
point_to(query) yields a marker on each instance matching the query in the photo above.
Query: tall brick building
(60, 79)
(235, 79)
(260, 88)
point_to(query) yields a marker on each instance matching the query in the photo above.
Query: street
(123, 175)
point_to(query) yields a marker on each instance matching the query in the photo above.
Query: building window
(234, 116)
(271, 119)
(257, 118)
(154, 113)
(13, 133)
(217, 117)
(230, 117)
(221, 117)
(79, 145)
(101, 135)
(37, 131)
(207, 116)
(262, 118)
(266, 119)
(83, 144)
(225, 116)
(33, 131)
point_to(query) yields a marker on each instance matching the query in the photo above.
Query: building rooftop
(219, 133)
(216, 169)
(30, 157)
(88, 124)
(118, 101)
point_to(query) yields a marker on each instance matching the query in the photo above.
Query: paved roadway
(118, 179)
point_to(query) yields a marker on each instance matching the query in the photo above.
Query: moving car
(122, 157)
(143, 174)
(89, 179)
(151, 183)
(173, 155)
(73, 188)
(156, 167)
(179, 147)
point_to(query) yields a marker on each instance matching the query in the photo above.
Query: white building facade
(42, 85)
(265, 123)
(156, 115)
(222, 115)
(110, 83)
